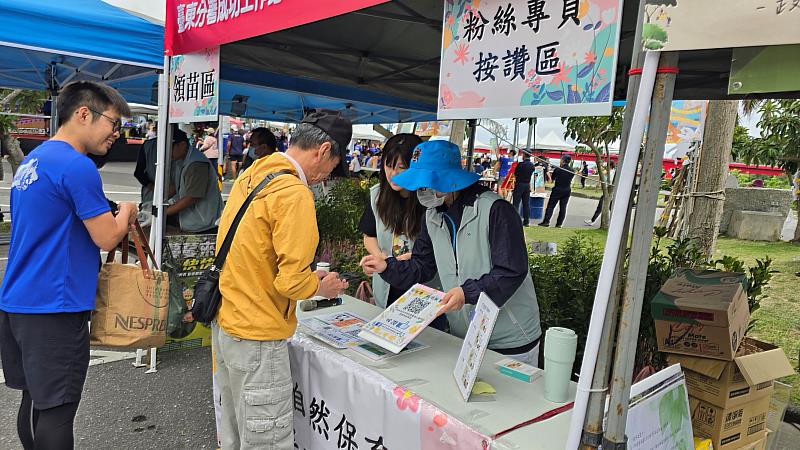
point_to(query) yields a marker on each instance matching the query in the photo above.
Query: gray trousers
(255, 385)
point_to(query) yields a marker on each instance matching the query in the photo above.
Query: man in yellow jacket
(266, 272)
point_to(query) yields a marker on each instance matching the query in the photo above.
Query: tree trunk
(608, 194)
(710, 173)
(12, 148)
(601, 176)
(797, 227)
(11, 96)
(794, 182)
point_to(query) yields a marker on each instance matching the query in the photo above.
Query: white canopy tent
(366, 133)
(550, 141)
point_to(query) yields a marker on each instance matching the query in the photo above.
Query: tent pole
(157, 225)
(604, 285)
(53, 113)
(593, 428)
(473, 126)
(642, 234)
(52, 86)
(157, 237)
(516, 135)
(531, 121)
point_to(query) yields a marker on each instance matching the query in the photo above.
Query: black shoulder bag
(207, 298)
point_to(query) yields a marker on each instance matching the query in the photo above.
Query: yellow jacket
(269, 264)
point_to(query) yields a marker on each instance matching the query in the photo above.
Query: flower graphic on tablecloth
(406, 399)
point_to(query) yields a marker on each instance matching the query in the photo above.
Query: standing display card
(404, 319)
(475, 343)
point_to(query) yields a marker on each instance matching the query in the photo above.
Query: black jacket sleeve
(367, 224)
(509, 257)
(420, 268)
(140, 172)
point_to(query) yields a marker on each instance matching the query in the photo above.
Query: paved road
(123, 408)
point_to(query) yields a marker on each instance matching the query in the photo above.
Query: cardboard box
(730, 428)
(732, 383)
(760, 444)
(702, 313)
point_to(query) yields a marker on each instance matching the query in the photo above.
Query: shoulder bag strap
(226, 244)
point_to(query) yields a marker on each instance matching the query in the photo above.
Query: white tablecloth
(420, 383)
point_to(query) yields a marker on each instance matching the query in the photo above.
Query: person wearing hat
(562, 177)
(267, 271)
(195, 202)
(474, 239)
(392, 218)
(210, 147)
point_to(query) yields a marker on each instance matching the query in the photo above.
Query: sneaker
(544, 224)
(588, 222)
(525, 224)
(558, 226)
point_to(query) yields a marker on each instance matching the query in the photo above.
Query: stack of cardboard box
(701, 318)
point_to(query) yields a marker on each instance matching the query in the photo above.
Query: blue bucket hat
(435, 165)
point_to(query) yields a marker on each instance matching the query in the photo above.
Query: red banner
(196, 24)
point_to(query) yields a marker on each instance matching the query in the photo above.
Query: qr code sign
(416, 306)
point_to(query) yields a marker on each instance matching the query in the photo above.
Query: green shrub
(338, 215)
(773, 182)
(338, 212)
(565, 286)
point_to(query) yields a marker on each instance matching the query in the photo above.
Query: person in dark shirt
(475, 241)
(562, 176)
(584, 173)
(262, 143)
(522, 189)
(477, 167)
(235, 152)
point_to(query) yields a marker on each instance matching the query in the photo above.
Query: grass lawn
(587, 191)
(778, 319)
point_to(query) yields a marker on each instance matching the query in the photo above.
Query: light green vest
(385, 238)
(204, 213)
(518, 321)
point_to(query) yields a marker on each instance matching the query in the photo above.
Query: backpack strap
(226, 244)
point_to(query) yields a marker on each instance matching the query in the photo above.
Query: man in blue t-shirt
(61, 220)
(504, 164)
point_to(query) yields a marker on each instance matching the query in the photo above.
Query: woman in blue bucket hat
(474, 239)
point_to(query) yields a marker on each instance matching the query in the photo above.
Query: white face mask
(429, 199)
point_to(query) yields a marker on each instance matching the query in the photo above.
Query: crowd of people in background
(232, 153)
(364, 155)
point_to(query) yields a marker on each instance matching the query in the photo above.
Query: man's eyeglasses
(117, 123)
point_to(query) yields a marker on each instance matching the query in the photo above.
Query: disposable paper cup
(560, 345)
